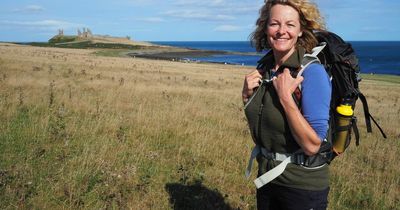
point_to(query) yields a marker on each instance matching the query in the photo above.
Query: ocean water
(378, 57)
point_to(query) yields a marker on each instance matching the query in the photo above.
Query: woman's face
(283, 29)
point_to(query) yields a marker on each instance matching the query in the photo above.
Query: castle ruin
(86, 33)
(60, 32)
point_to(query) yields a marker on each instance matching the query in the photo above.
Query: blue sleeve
(316, 96)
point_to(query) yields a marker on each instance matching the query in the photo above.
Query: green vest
(270, 129)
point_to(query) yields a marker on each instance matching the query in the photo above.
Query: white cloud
(368, 29)
(221, 6)
(227, 28)
(30, 8)
(198, 15)
(43, 24)
(208, 3)
(242, 9)
(142, 2)
(152, 19)
(214, 10)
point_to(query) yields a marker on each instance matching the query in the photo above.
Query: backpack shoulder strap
(311, 58)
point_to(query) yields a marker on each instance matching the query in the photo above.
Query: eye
(272, 24)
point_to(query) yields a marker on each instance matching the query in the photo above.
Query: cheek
(296, 32)
(269, 30)
(269, 33)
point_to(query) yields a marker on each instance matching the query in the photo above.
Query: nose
(282, 29)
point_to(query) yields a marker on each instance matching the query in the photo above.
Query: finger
(253, 77)
(253, 72)
(286, 71)
(258, 71)
(299, 79)
(253, 84)
(257, 77)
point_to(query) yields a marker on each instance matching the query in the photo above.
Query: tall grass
(82, 131)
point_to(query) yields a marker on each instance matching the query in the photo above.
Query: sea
(375, 57)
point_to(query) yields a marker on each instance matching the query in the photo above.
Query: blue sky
(184, 20)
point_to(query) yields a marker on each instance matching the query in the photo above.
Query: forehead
(284, 13)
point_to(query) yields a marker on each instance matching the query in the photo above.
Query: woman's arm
(305, 135)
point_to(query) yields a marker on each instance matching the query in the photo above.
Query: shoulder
(315, 71)
(315, 75)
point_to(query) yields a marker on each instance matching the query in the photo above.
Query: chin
(281, 49)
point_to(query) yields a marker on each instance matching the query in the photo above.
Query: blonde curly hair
(310, 20)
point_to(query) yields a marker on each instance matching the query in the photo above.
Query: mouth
(281, 39)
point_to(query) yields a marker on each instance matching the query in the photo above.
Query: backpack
(341, 63)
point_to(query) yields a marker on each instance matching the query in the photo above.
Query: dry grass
(83, 131)
(120, 40)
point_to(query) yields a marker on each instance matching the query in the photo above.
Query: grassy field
(92, 42)
(82, 131)
(88, 45)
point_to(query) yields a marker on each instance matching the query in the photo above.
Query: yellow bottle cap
(345, 110)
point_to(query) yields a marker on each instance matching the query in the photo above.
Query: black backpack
(341, 64)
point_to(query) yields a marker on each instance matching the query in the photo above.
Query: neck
(281, 57)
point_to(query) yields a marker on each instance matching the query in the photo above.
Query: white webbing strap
(272, 174)
(311, 58)
(316, 50)
(254, 153)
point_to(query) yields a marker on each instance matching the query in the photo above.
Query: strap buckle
(268, 155)
(298, 159)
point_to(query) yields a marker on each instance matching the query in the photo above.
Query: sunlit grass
(85, 131)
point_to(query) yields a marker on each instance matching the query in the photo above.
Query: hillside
(95, 39)
(82, 131)
(123, 47)
(89, 41)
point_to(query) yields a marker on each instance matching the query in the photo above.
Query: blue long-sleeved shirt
(316, 95)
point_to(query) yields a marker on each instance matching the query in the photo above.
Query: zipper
(252, 97)
(266, 83)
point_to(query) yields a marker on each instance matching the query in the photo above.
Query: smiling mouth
(281, 39)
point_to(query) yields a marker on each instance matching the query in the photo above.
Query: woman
(280, 122)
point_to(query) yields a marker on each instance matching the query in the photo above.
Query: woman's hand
(285, 84)
(301, 130)
(251, 81)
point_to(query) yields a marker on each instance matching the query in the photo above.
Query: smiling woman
(283, 29)
(310, 19)
(282, 130)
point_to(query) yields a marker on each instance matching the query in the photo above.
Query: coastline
(163, 52)
(190, 55)
(174, 54)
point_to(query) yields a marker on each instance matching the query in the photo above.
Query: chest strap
(295, 158)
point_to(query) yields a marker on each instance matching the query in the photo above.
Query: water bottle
(344, 114)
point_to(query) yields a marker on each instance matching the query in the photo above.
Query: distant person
(282, 118)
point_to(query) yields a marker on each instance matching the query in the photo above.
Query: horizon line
(203, 41)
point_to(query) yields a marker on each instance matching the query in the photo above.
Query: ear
(300, 34)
